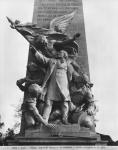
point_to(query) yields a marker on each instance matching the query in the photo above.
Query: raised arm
(40, 57)
(38, 81)
(20, 83)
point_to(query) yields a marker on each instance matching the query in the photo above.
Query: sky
(101, 26)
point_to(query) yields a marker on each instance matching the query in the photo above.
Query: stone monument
(58, 106)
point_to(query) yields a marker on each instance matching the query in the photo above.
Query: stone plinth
(59, 131)
(58, 135)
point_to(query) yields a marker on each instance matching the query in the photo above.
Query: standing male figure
(56, 83)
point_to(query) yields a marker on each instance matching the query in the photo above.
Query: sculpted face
(32, 67)
(35, 90)
(62, 54)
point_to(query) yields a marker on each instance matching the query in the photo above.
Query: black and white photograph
(59, 74)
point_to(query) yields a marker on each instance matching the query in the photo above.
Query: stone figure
(85, 110)
(29, 106)
(35, 73)
(46, 39)
(82, 96)
(54, 77)
(56, 82)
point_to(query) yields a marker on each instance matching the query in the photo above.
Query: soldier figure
(56, 82)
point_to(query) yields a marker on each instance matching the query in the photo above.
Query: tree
(1, 123)
(1, 134)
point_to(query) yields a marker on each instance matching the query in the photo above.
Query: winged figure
(51, 40)
(57, 26)
(56, 31)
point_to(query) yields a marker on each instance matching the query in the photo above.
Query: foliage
(1, 123)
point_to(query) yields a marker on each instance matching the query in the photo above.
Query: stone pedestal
(59, 135)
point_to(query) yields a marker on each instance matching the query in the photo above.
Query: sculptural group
(57, 91)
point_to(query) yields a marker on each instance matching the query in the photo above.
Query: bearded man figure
(56, 83)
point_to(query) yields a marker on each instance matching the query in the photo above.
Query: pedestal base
(59, 135)
(56, 141)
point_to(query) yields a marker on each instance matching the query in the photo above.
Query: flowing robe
(56, 81)
(58, 87)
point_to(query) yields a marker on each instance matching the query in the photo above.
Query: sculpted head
(62, 54)
(31, 67)
(35, 90)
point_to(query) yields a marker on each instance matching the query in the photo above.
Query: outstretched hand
(51, 126)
